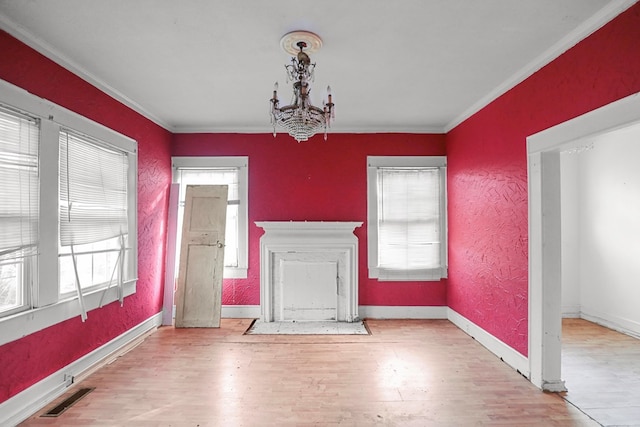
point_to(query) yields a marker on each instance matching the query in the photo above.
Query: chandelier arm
(301, 118)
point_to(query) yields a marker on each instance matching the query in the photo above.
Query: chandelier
(301, 119)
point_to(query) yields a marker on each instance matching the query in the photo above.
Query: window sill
(27, 322)
(235, 273)
(425, 275)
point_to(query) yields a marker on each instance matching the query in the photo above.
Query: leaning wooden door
(199, 290)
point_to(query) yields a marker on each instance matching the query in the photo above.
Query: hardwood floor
(601, 369)
(406, 373)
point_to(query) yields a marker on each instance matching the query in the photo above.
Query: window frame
(25, 265)
(64, 251)
(47, 306)
(242, 163)
(375, 162)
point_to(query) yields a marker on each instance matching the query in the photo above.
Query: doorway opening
(545, 159)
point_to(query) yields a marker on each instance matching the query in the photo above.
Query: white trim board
(402, 312)
(611, 321)
(584, 30)
(543, 172)
(29, 401)
(21, 324)
(506, 353)
(49, 51)
(365, 311)
(241, 311)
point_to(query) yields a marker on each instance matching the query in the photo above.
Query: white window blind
(19, 135)
(93, 215)
(406, 218)
(93, 190)
(409, 218)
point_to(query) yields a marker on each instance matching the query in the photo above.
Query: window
(68, 223)
(19, 135)
(406, 218)
(230, 171)
(93, 212)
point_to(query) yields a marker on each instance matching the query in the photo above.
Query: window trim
(28, 264)
(242, 163)
(375, 162)
(47, 307)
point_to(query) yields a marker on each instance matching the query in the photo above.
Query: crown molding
(269, 130)
(53, 54)
(585, 29)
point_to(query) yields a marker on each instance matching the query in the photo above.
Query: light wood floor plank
(407, 373)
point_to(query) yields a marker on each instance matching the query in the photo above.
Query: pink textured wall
(30, 359)
(317, 180)
(488, 239)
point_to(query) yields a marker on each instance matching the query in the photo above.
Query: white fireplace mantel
(309, 242)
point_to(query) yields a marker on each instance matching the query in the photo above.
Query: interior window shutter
(409, 219)
(93, 190)
(19, 136)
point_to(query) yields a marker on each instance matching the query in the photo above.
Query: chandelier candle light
(301, 119)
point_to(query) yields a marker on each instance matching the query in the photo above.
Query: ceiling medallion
(301, 119)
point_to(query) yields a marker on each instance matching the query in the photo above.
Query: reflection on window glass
(97, 268)
(10, 285)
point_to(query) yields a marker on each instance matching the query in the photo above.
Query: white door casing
(545, 274)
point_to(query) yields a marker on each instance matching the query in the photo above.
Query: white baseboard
(241, 311)
(617, 323)
(29, 401)
(364, 311)
(507, 354)
(401, 312)
(570, 311)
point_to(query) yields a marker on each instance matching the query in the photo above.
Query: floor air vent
(68, 402)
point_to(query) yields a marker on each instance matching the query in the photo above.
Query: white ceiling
(394, 66)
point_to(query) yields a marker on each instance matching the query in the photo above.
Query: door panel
(199, 292)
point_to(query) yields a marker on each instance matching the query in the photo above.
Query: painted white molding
(28, 402)
(27, 322)
(543, 171)
(604, 15)
(507, 354)
(365, 311)
(287, 240)
(608, 320)
(556, 386)
(268, 129)
(570, 311)
(241, 311)
(46, 49)
(170, 265)
(402, 312)
(569, 135)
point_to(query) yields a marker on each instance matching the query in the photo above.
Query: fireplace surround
(317, 250)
